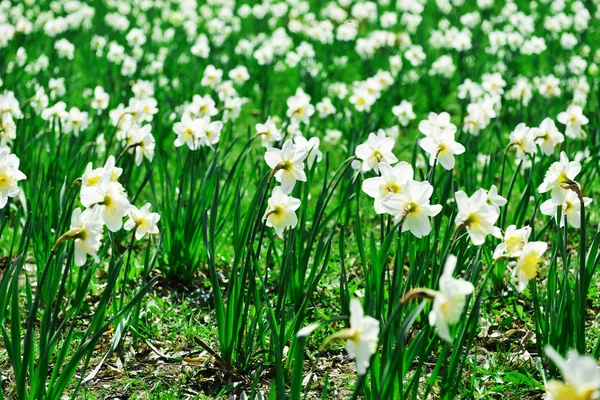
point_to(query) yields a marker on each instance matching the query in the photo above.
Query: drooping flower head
(449, 301)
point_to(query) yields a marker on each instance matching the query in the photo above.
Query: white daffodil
(548, 137)
(513, 242)
(9, 176)
(440, 146)
(299, 107)
(413, 206)
(404, 112)
(211, 132)
(433, 121)
(361, 338)
(362, 99)
(111, 200)
(475, 214)
(76, 122)
(288, 164)
(325, 108)
(559, 177)
(494, 199)
(364, 336)
(92, 175)
(522, 139)
(100, 100)
(142, 220)
(377, 149)
(269, 133)
(86, 230)
(574, 119)
(141, 142)
(281, 211)
(449, 301)
(311, 146)
(581, 376)
(188, 132)
(392, 180)
(528, 263)
(570, 207)
(8, 129)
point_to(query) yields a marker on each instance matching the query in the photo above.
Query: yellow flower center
(442, 149)
(108, 201)
(514, 244)
(412, 207)
(285, 165)
(568, 206)
(4, 180)
(530, 265)
(377, 155)
(393, 188)
(93, 181)
(446, 309)
(472, 219)
(564, 179)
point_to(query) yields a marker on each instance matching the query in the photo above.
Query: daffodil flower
(142, 220)
(393, 180)
(449, 301)
(559, 178)
(581, 376)
(9, 176)
(441, 146)
(548, 137)
(110, 199)
(268, 132)
(413, 208)
(281, 211)
(528, 263)
(570, 207)
(574, 119)
(287, 164)
(513, 242)
(86, 231)
(361, 338)
(477, 216)
(377, 149)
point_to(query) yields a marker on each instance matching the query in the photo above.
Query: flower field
(312, 199)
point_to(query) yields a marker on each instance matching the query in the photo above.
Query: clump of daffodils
(394, 191)
(106, 204)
